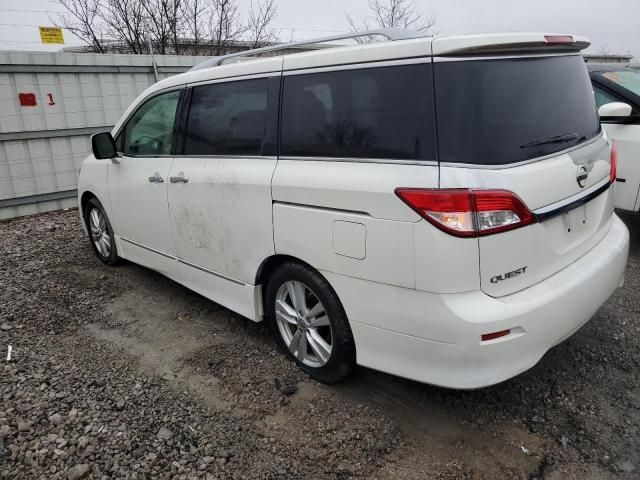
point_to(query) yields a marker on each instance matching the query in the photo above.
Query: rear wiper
(559, 139)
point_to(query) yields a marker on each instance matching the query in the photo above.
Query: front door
(138, 185)
(220, 189)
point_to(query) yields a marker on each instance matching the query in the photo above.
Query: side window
(228, 119)
(150, 130)
(384, 112)
(602, 97)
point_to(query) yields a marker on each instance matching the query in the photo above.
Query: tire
(323, 323)
(101, 238)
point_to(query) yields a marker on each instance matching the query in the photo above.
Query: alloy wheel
(303, 324)
(99, 232)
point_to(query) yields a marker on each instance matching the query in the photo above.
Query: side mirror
(617, 110)
(103, 146)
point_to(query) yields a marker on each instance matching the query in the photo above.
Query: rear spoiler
(505, 43)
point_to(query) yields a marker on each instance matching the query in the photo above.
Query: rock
(24, 427)
(56, 419)
(3, 451)
(289, 390)
(77, 472)
(59, 453)
(626, 466)
(73, 413)
(5, 327)
(164, 434)
(120, 405)
(83, 442)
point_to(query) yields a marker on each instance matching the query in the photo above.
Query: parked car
(617, 90)
(438, 209)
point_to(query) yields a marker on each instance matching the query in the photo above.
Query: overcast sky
(611, 24)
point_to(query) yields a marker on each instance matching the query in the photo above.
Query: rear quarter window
(499, 111)
(380, 113)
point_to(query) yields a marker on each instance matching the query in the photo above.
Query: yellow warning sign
(51, 35)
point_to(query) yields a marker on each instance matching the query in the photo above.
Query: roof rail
(391, 34)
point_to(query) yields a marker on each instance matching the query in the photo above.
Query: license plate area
(575, 221)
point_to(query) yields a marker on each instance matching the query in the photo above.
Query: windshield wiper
(569, 137)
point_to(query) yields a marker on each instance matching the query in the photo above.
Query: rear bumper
(435, 338)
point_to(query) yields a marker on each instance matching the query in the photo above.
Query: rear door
(527, 124)
(220, 188)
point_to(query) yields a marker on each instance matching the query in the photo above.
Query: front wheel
(100, 232)
(309, 323)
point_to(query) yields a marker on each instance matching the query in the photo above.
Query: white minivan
(436, 208)
(617, 90)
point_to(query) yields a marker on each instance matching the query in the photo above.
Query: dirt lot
(119, 372)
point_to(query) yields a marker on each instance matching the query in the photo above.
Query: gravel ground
(121, 373)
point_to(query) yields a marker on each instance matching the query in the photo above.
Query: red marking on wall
(51, 100)
(27, 99)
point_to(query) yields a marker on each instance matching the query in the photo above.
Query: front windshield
(628, 79)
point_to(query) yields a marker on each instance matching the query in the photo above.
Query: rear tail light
(614, 162)
(468, 213)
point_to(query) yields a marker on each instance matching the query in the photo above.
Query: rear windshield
(503, 111)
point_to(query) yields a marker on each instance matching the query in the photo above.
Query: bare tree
(604, 51)
(195, 13)
(261, 16)
(170, 26)
(226, 25)
(394, 14)
(83, 20)
(164, 22)
(125, 20)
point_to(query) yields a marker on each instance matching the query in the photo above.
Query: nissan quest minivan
(440, 209)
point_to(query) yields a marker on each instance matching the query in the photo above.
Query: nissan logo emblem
(581, 176)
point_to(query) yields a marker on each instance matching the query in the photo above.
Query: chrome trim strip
(166, 255)
(431, 163)
(247, 157)
(211, 272)
(524, 162)
(321, 207)
(574, 200)
(357, 65)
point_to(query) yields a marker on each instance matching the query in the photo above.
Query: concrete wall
(76, 95)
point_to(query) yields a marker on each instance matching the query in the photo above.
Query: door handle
(180, 179)
(156, 179)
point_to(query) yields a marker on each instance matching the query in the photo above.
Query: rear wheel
(100, 232)
(309, 323)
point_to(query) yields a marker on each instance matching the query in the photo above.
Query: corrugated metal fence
(50, 105)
